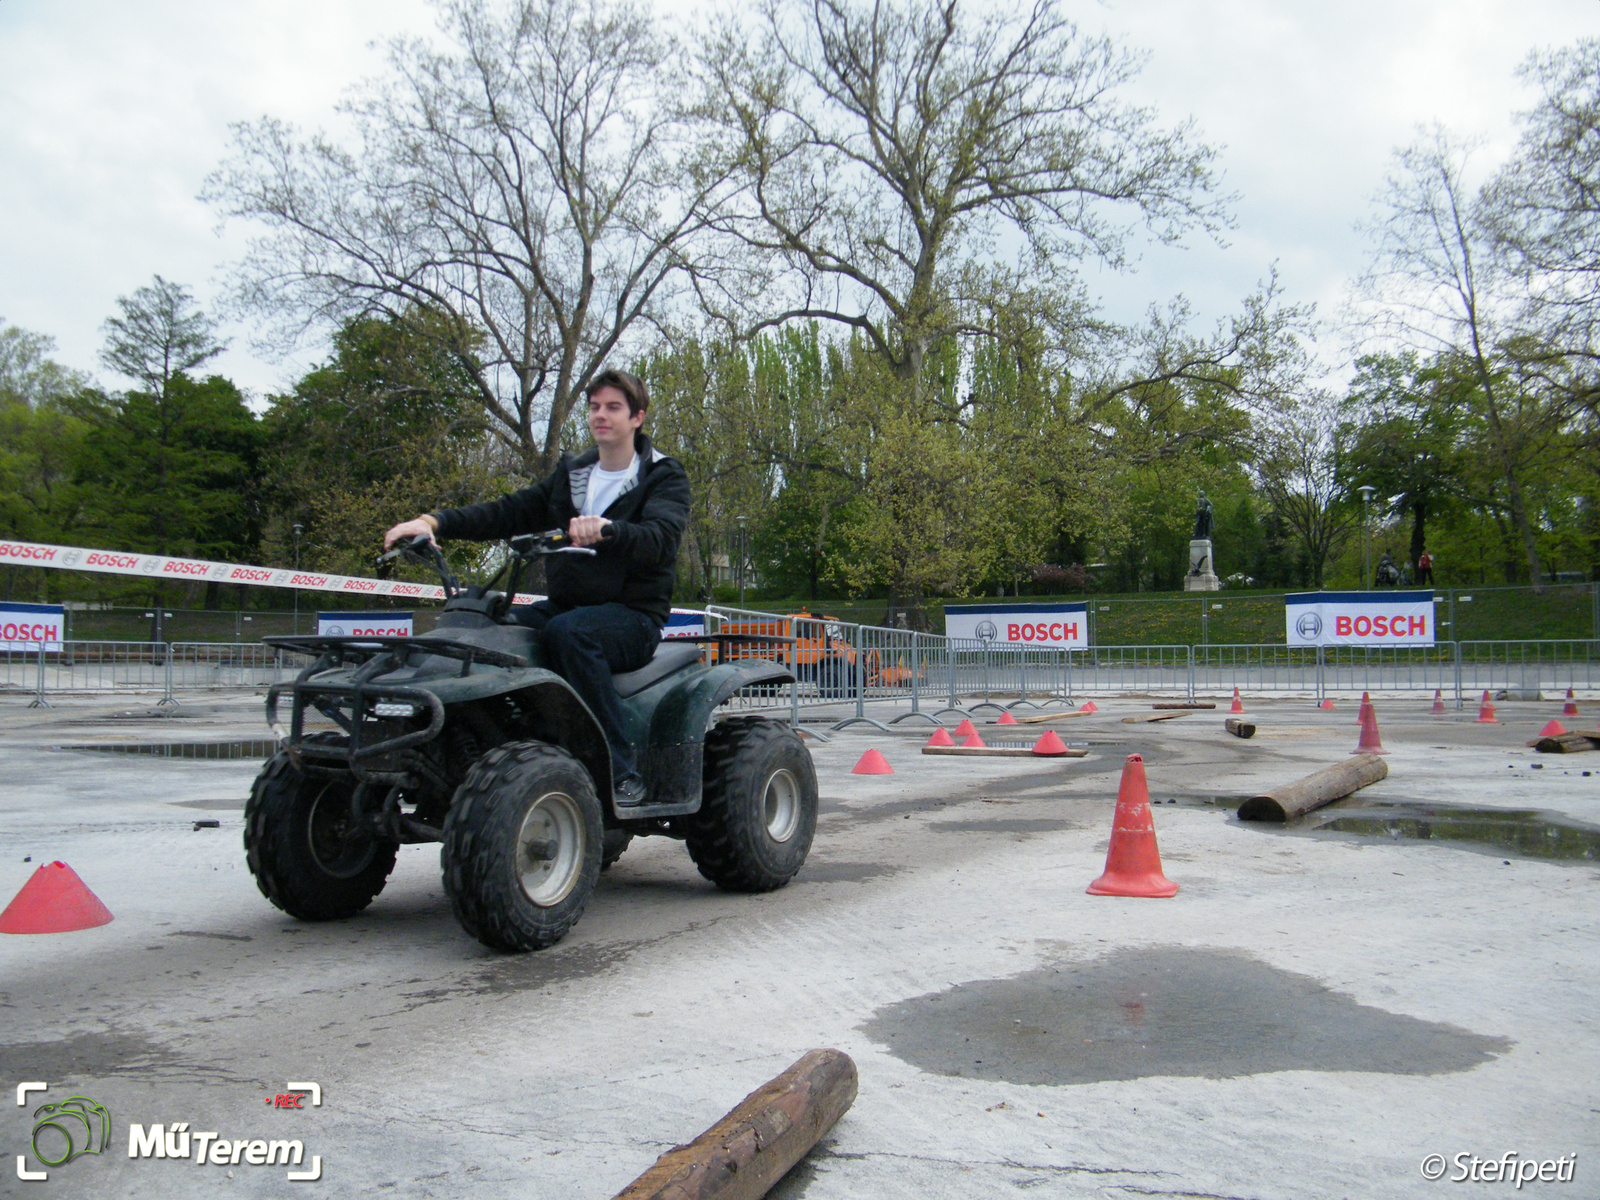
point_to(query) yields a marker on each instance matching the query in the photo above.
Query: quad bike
(463, 737)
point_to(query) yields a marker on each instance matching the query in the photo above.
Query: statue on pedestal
(1202, 576)
(1202, 519)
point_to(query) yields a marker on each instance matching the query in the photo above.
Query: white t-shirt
(605, 486)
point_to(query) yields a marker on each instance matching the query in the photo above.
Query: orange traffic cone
(872, 763)
(1369, 743)
(1005, 718)
(1089, 706)
(973, 742)
(1133, 863)
(966, 728)
(1570, 708)
(1366, 706)
(1438, 703)
(941, 737)
(1238, 704)
(1327, 704)
(1049, 745)
(54, 900)
(1553, 728)
(1486, 711)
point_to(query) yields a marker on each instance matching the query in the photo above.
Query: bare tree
(1298, 463)
(529, 184)
(908, 168)
(160, 333)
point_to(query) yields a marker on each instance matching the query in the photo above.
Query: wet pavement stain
(1523, 832)
(85, 1055)
(1004, 825)
(1165, 1010)
(844, 872)
(239, 748)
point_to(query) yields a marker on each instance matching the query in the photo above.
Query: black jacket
(634, 566)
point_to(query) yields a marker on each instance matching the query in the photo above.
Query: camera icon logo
(71, 1128)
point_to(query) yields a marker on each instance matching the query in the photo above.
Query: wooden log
(1001, 752)
(1567, 743)
(745, 1153)
(1239, 729)
(1058, 716)
(1325, 786)
(1144, 720)
(1184, 704)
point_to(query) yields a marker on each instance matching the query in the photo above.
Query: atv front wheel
(522, 846)
(614, 847)
(300, 846)
(759, 810)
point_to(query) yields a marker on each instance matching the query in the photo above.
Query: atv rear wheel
(522, 845)
(299, 846)
(759, 811)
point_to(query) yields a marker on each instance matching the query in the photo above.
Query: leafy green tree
(159, 334)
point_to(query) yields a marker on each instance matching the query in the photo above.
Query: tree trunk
(1418, 540)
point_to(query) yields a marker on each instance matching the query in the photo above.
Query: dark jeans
(585, 646)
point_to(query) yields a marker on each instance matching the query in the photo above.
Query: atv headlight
(393, 708)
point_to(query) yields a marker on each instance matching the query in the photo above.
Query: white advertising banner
(685, 622)
(372, 623)
(1057, 626)
(25, 626)
(1360, 618)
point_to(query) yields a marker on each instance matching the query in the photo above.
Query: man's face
(610, 422)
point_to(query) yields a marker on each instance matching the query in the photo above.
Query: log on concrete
(1239, 729)
(1057, 716)
(1325, 786)
(1184, 704)
(1143, 720)
(1567, 743)
(745, 1153)
(1001, 752)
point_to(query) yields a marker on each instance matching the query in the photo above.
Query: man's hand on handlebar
(584, 531)
(419, 527)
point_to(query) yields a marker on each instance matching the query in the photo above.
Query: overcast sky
(112, 114)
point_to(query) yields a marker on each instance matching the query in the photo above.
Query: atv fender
(678, 725)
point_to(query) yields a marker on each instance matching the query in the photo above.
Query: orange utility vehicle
(823, 653)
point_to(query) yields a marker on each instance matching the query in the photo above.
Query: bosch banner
(685, 622)
(1360, 618)
(25, 626)
(1057, 626)
(373, 623)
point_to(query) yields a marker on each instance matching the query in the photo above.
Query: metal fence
(143, 667)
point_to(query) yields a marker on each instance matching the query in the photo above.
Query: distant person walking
(1425, 569)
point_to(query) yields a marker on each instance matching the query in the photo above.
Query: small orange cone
(1369, 743)
(1553, 728)
(1049, 745)
(1238, 704)
(965, 728)
(1486, 711)
(973, 741)
(1005, 718)
(54, 900)
(1570, 708)
(1133, 863)
(872, 763)
(1327, 704)
(1089, 706)
(941, 737)
(1438, 703)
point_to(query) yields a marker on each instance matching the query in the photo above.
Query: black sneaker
(630, 792)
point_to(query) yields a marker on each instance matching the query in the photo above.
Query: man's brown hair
(631, 387)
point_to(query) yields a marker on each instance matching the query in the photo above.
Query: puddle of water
(239, 748)
(1164, 1010)
(1526, 833)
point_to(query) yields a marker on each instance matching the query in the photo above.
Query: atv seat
(669, 656)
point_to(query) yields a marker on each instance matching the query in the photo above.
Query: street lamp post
(1366, 490)
(298, 530)
(741, 521)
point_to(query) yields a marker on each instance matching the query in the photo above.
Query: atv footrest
(649, 812)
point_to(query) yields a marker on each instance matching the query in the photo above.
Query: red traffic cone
(54, 900)
(941, 737)
(1133, 863)
(1005, 718)
(966, 728)
(1088, 706)
(1486, 711)
(1438, 703)
(1570, 708)
(973, 741)
(1553, 728)
(1327, 704)
(1238, 704)
(1369, 743)
(1049, 745)
(1366, 707)
(872, 763)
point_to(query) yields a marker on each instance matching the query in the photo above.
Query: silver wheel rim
(780, 805)
(550, 849)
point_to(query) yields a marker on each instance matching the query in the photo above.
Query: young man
(630, 503)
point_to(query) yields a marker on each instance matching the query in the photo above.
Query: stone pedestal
(1202, 576)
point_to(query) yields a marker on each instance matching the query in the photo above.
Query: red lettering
(253, 573)
(1013, 633)
(1380, 625)
(1341, 626)
(1417, 625)
(1069, 633)
(174, 567)
(358, 585)
(112, 560)
(308, 580)
(13, 550)
(1362, 625)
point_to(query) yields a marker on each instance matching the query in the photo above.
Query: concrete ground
(1313, 1015)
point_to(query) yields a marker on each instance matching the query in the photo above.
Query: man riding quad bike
(465, 737)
